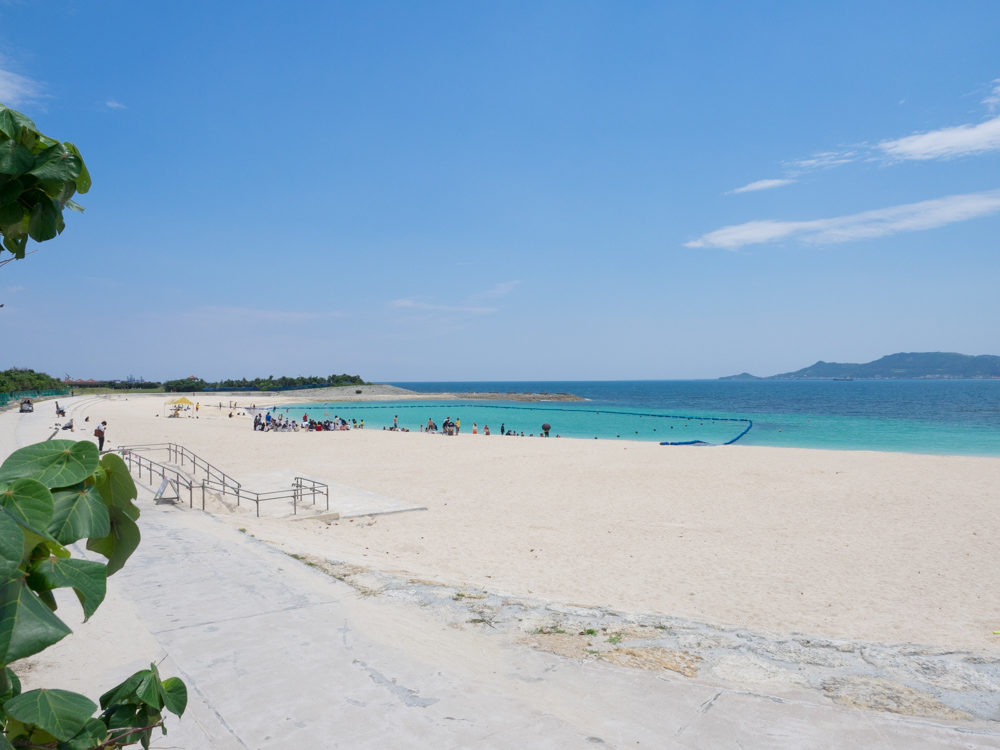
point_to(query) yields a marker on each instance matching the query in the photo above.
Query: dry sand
(879, 547)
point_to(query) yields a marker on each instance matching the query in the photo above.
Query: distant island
(903, 366)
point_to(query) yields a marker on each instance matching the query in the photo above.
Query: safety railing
(178, 454)
(137, 462)
(301, 488)
(214, 479)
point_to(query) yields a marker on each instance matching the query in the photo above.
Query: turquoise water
(937, 417)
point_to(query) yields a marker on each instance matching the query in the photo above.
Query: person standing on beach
(458, 425)
(99, 433)
(486, 429)
(395, 421)
(475, 431)
(502, 425)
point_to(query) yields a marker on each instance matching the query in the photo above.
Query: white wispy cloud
(502, 289)
(881, 222)
(471, 305)
(417, 304)
(992, 99)
(943, 143)
(946, 143)
(113, 104)
(762, 185)
(822, 160)
(16, 90)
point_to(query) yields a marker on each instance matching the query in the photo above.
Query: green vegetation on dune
(269, 383)
(17, 379)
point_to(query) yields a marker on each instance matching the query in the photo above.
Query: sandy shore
(879, 547)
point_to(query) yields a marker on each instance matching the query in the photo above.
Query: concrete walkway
(279, 655)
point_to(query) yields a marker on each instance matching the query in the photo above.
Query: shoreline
(874, 546)
(795, 572)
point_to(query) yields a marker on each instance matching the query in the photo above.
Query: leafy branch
(54, 494)
(38, 178)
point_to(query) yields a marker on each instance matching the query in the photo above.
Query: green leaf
(124, 692)
(29, 500)
(93, 734)
(74, 206)
(175, 695)
(83, 182)
(116, 485)
(11, 122)
(56, 463)
(59, 712)
(27, 626)
(79, 513)
(120, 543)
(16, 244)
(44, 221)
(10, 191)
(148, 690)
(15, 683)
(11, 213)
(5, 743)
(11, 544)
(88, 579)
(15, 158)
(56, 163)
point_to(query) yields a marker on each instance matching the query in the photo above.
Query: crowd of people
(270, 421)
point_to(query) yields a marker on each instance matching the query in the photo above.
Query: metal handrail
(216, 479)
(178, 454)
(297, 492)
(154, 468)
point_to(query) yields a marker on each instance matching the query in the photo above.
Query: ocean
(950, 417)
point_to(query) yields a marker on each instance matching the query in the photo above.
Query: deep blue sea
(958, 417)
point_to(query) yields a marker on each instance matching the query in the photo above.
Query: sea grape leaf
(124, 692)
(79, 513)
(11, 544)
(28, 500)
(56, 163)
(88, 579)
(120, 542)
(11, 122)
(5, 743)
(83, 180)
(15, 158)
(10, 191)
(11, 213)
(175, 695)
(44, 222)
(93, 734)
(56, 463)
(148, 690)
(27, 626)
(116, 486)
(59, 712)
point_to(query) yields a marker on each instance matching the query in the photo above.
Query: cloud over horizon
(881, 222)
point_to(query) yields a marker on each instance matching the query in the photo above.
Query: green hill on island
(903, 366)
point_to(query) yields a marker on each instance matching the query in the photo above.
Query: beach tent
(182, 401)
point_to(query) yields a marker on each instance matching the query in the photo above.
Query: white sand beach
(878, 547)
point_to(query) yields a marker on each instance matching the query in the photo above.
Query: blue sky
(507, 191)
